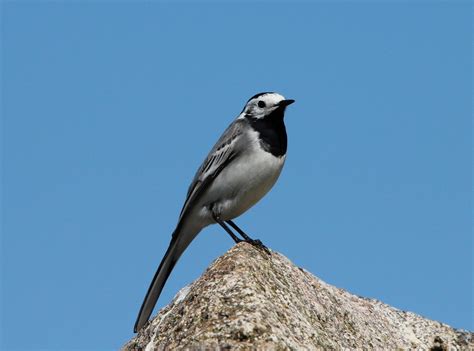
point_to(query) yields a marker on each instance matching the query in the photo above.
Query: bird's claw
(258, 244)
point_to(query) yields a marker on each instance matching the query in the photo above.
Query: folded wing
(223, 152)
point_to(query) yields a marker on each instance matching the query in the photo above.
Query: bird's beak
(285, 103)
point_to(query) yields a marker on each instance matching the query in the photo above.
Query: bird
(239, 170)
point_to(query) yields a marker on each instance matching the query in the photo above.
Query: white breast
(244, 182)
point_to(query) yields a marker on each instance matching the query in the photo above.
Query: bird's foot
(258, 244)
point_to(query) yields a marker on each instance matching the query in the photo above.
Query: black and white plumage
(241, 168)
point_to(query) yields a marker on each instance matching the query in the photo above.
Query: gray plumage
(239, 170)
(227, 148)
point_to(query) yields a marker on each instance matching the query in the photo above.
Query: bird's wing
(224, 151)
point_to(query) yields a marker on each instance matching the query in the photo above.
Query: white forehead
(269, 98)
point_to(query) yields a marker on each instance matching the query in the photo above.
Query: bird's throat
(272, 132)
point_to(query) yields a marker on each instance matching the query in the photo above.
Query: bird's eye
(261, 104)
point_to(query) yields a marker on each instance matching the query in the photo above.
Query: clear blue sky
(109, 108)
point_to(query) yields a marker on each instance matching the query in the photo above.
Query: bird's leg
(226, 228)
(248, 239)
(240, 231)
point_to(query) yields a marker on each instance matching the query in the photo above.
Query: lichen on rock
(250, 299)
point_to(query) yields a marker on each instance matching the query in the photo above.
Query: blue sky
(109, 108)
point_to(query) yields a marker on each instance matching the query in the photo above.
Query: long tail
(177, 246)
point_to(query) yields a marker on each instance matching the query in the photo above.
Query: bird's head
(264, 105)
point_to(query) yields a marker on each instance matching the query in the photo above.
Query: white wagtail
(240, 169)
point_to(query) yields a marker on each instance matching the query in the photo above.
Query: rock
(250, 299)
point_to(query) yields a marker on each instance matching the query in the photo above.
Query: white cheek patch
(271, 101)
(257, 114)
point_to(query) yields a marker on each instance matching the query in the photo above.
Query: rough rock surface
(249, 299)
